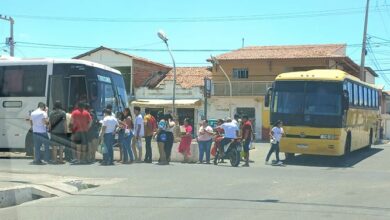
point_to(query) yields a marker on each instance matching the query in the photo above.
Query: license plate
(302, 146)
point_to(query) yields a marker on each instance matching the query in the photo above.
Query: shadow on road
(274, 201)
(333, 161)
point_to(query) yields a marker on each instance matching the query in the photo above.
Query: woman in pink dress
(186, 139)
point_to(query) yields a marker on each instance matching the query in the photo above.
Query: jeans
(125, 141)
(109, 142)
(39, 140)
(168, 145)
(274, 147)
(204, 147)
(148, 147)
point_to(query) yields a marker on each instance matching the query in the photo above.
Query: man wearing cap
(231, 132)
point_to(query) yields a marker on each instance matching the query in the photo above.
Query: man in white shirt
(138, 133)
(107, 131)
(231, 132)
(39, 122)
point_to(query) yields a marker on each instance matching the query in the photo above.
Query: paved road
(307, 188)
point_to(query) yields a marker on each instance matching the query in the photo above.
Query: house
(253, 69)
(137, 72)
(189, 99)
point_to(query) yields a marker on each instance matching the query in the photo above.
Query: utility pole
(363, 55)
(10, 41)
(217, 64)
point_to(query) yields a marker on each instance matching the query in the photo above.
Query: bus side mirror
(345, 100)
(266, 97)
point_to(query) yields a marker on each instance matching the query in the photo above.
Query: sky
(214, 26)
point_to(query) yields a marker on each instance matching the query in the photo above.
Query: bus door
(78, 91)
(58, 91)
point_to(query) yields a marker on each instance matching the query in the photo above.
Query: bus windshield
(309, 101)
(315, 98)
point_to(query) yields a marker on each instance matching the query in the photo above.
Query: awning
(166, 102)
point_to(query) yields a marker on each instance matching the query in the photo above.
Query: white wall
(164, 91)
(370, 78)
(218, 107)
(109, 58)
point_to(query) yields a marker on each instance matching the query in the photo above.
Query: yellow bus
(324, 112)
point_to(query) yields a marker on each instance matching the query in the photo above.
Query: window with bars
(240, 73)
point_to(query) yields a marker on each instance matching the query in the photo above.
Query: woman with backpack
(161, 140)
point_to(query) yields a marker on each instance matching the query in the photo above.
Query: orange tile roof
(286, 52)
(188, 77)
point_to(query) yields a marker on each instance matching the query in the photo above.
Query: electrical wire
(302, 14)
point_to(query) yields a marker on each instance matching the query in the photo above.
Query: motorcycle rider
(231, 132)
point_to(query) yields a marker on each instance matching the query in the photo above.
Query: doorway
(183, 113)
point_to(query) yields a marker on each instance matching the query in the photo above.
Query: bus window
(376, 99)
(23, 81)
(361, 97)
(369, 95)
(350, 91)
(365, 96)
(355, 94)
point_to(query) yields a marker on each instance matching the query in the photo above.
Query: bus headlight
(328, 136)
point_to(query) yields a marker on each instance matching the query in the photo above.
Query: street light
(216, 62)
(161, 34)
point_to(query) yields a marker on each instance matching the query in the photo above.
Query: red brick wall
(143, 70)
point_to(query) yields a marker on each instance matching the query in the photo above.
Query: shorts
(247, 144)
(80, 138)
(58, 140)
(92, 135)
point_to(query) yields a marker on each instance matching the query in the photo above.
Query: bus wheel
(29, 144)
(289, 156)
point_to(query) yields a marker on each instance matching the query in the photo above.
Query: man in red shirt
(80, 123)
(247, 133)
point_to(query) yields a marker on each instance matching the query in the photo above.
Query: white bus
(26, 82)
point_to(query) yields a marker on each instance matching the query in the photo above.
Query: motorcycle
(232, 153)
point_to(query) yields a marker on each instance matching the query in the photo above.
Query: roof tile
(188, 77)
(286, 52)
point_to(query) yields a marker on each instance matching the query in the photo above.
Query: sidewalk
(259, 152)
(18, 188)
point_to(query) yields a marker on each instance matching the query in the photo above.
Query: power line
(376, 63)
(72, 47)
(302, 14)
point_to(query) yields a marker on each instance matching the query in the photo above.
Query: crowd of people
(75, 136)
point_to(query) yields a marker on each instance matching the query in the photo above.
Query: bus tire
(347, 148)
(289, 156)
(29, 144)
